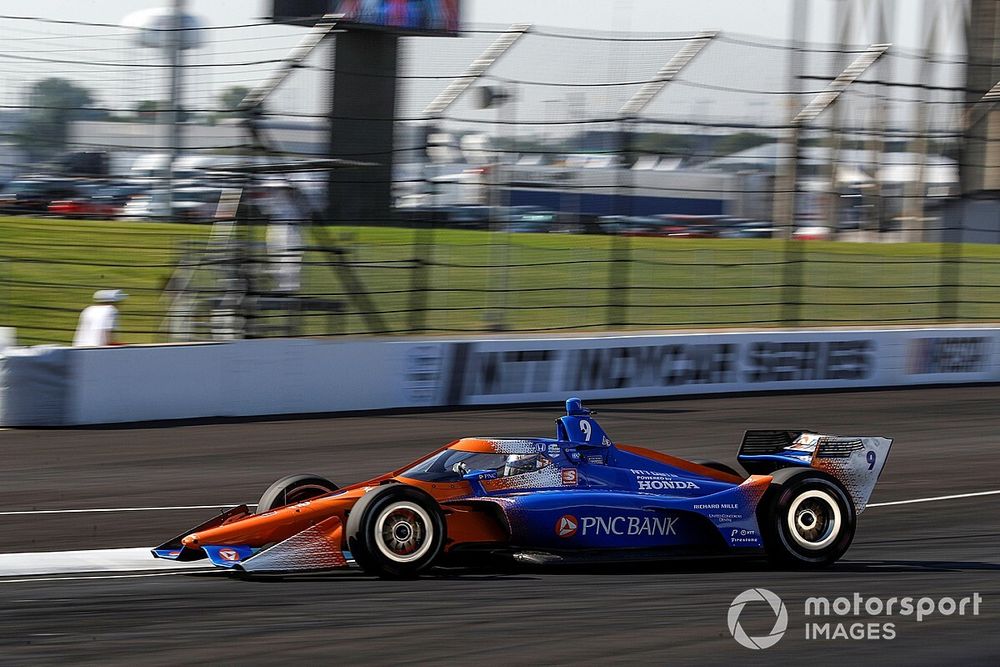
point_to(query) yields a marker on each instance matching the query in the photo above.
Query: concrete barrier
(513, 371)
(69, 386)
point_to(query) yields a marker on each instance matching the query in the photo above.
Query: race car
(576, 497)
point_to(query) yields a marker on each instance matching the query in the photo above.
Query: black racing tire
(807, 519)
(395, 531)
(721, 467)
(294, 489)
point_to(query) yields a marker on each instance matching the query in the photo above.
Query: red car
(83, 207)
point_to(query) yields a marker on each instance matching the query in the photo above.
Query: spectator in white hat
(98, 320)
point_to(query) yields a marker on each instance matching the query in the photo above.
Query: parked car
(34, 195)
(121, 193)
(737, 228)
(189, 204)
(637, 225)
(691, 226)
(811, 232)
(534, 221)
(468, 217)
(85, 207)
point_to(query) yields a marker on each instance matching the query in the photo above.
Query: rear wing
(855, 461)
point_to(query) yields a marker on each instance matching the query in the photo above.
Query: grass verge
(456, 281)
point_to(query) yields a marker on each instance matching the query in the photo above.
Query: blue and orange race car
(578, 496)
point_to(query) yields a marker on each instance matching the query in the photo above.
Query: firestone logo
(566, 526)
(780, 623)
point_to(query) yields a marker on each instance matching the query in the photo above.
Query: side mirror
(475, 479)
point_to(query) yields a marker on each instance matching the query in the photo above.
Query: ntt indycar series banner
(529, 370)
(50, 386)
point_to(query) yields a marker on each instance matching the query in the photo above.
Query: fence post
(423, 242)
(951, 267)
(423, 246)
(618, 269)
(791, 256)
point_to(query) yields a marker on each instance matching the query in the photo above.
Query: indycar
(576, 497)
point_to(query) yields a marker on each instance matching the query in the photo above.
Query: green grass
(554, 282)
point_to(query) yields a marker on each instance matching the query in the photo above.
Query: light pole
(500, 99)
(174, 48)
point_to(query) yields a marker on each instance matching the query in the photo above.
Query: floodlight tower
(172, 31)
(979, 167)
(363, 76)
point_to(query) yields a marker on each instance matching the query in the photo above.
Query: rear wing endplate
(855, 461)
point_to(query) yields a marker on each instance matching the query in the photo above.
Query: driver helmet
(518, 464)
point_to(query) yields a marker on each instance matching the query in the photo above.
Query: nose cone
(190, 541)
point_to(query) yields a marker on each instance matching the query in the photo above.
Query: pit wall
(54, 386)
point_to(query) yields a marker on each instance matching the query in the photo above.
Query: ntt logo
(780, 622)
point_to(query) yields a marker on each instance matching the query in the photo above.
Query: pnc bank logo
(566, 525)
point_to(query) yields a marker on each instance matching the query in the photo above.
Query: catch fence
(584, 181)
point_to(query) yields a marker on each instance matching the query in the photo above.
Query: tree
(740, 141)
(229, 101)
(147, 110)
(663, 143)
(54, 102)
(230, 98)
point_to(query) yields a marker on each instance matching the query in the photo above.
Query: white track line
(221, 506)
(135, 559)
(936, 498)
(31, 580)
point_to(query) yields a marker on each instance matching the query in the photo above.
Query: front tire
(807, 519)
(294, 489)
(395, 531)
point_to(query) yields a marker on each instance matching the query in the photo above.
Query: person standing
(98, 320)
(284, 237)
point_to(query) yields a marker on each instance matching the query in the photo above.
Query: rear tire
(294, 489)
(395, 531)
(807, 519)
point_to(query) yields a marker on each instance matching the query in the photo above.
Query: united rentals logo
(566, 526)
(780, 623)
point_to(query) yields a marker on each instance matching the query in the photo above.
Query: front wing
(315, 548)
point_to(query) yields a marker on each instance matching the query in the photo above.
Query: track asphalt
(946, 442)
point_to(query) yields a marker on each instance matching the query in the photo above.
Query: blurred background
(252, 169)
